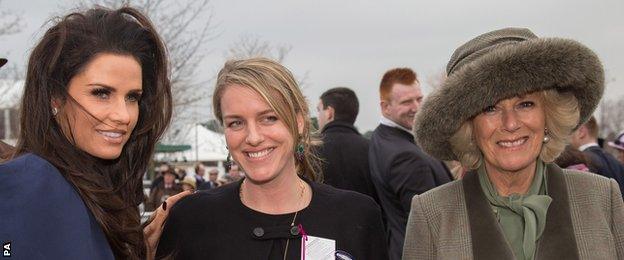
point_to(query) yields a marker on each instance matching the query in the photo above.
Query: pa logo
(342, 255)
(6, 249)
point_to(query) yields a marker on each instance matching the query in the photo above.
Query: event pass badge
(317, 248)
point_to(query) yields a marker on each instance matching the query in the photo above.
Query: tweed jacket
(584, 221)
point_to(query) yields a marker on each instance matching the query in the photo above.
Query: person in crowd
(158, 177)
(165, 189)
(278, 210)
(571, 158)
(399, 168)
(506, 111)
(96, 99)
(200, 170)
(188, 183)
(232, 174)
(212, 182)
(585, 139)
(5, 149)
(344, 151)
(618, 144)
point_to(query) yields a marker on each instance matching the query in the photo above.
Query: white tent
(206, 145)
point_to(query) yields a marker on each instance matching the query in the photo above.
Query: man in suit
(344, 151)
(200, 170)
(618, 144)
(211, 183)
(399, 168)
(585, 139)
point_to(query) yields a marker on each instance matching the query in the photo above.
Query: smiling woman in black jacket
(277, 211)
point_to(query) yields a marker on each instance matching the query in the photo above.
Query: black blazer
(345, 159)
(400, 170)
(606, 165)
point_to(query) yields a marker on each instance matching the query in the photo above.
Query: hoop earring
(54, 111)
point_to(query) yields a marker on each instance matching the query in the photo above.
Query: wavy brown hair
(111, 189)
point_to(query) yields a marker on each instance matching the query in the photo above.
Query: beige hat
(190, 180)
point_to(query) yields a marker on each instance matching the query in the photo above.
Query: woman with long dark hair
(97, 97)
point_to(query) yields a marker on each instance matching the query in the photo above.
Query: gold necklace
(292, 223)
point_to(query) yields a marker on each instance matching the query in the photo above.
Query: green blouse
(521, 217)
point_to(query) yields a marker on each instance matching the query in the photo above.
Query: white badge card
(318, 248)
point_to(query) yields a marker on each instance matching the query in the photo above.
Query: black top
(214, 224)
(400, 170)
(345, 159)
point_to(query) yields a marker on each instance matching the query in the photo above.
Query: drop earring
(299, 152)
(228, 161)
(546, 136)
(54, 111)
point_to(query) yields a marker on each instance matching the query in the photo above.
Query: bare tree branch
(250, 46)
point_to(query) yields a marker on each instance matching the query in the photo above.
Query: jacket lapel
(488, 241)
(557, 241)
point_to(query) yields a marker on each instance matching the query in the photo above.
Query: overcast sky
(352, 43)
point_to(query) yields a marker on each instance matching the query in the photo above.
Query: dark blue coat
(43, 217)
(606, 165)
(400, 170)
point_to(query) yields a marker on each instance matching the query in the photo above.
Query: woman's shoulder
(587, 184)
(30, 172)
(343, 198)
(451, 193)
(28, 162)
(218, 198)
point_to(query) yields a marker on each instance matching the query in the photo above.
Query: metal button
(258, 232)
(294, 230)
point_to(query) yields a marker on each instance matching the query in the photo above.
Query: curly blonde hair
(562, 115)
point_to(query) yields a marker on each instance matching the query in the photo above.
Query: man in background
(345, 150)
(399, 168)
(585, 139)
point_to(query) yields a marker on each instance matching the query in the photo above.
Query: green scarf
(521, 217)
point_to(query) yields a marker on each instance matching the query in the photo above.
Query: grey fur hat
(502, 64)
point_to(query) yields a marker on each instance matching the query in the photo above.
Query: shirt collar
(387, 122)
(585, 146)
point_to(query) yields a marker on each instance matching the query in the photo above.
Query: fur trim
(504, 72)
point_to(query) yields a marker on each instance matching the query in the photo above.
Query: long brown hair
(111, 189)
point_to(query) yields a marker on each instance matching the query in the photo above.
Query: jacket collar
(488, 241)
(338, 126)
(396, 132)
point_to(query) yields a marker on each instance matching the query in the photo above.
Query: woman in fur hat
(506, 111)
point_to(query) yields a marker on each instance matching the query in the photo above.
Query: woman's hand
(153, 230)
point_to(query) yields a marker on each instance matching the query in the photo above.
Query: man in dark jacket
(585, 139)
(344, 151)
(399, 168)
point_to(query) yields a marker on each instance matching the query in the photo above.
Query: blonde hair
(280, 90)
(562, 115)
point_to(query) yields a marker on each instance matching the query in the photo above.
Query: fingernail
(164, 206)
